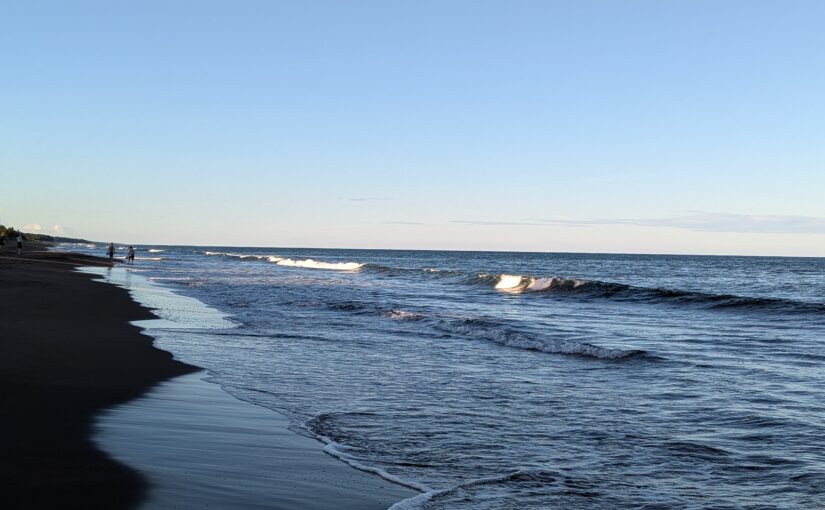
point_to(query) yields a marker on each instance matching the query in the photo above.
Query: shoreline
(70, 389)
(68, 352)
(202, 448)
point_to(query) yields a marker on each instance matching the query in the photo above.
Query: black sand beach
(69, 358)
(67, 352)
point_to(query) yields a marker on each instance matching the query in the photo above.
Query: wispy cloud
(402, 223)
(36, 227)
(696, 221)
(369, 199)
(505, 223)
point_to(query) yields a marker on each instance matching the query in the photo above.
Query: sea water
(524, 380)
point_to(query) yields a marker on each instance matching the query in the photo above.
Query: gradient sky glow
(611, 126)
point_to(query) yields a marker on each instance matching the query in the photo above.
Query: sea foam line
(287, 262)
(335, 449)
(316, 264)
(418, 501)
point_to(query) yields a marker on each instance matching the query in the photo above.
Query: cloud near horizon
(696, 221)
(370, 199)
(36, 227)
(402, 223)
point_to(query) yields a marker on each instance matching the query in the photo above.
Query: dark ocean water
(522, 380)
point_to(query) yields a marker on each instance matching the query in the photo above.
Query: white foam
(541, 283)
(336, 450)
(173, 309)
(315, 264)
(242, 256)
(417, 502)
(517, 283)
(509, 282)
(148, 258)
(282, 261)
(403, 315)
(155, 250)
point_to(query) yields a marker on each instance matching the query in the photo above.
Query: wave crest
(486, 330)
(594, 288)
(316, 264)
(287, 262)
(518, 283)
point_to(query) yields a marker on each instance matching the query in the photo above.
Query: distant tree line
(12, 233)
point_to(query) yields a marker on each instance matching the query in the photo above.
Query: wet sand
(202, 448)
(67, 351)
(86, 425)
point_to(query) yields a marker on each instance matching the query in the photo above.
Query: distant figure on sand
(130, 256)
(2, 242)
(19, 244)
(110, 251)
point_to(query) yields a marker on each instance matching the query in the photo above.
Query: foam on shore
(201, 448)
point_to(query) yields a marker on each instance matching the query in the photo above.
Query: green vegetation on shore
(11, 233)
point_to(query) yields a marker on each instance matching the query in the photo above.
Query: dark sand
(69, 359)
(67, 351)
(202, 448)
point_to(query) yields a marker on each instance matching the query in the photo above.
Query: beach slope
(67, 351)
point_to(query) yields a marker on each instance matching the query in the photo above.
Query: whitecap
(403, 315)
(509, 282)
(315, 264)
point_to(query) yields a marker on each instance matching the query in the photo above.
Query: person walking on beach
(2, 242)
(110, 251)
(19, 244)
(130, 256)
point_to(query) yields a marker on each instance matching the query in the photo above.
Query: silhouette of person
(130, 256)
(110, 251)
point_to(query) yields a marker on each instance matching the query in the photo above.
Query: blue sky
(635, 126)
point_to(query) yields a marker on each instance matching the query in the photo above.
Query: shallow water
(505, 380)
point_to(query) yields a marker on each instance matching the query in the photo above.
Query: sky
(579, 126)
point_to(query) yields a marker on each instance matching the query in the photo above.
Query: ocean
(492, 380)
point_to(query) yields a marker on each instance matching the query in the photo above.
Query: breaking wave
(487, 330)
(517, 284)
(595, 288)
(238, 256)
(316, 264)
(283, 261)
